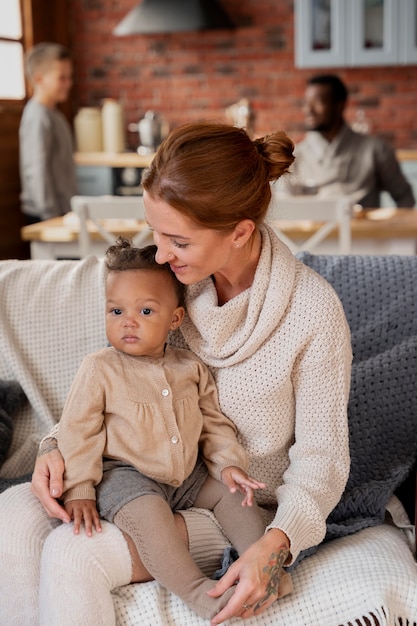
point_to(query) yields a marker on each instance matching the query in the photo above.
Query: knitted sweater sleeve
(82, 435)
(319, 457)
(390, 175)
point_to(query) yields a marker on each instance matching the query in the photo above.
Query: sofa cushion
(378, 296)
(51, 316)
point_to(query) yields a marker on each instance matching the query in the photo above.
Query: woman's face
(193, 252)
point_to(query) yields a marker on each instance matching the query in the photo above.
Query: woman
(275, 337)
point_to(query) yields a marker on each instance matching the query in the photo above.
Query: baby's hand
(84, 510)
(237, 480)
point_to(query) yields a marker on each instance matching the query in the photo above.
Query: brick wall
(188, 76)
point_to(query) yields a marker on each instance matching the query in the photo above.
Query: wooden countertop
(376, 224)
(113, 159)
(66, 229)
(406, 155)
(132, 159)
(386, 223)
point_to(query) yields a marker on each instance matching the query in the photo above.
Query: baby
(143, 433)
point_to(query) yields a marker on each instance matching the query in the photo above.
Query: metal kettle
(152, 130)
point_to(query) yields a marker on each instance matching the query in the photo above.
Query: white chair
(98, 208)
(329, 213)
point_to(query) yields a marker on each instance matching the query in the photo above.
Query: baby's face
(55, 82)
(141, 309)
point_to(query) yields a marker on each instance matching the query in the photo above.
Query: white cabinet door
(320, 33)
(374, 32)
(408, 39)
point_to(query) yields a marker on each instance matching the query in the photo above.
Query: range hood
(172, 16)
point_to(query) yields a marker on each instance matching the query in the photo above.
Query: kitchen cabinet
(408, 38)
(353, 33)
(320, 33)
(94, 180)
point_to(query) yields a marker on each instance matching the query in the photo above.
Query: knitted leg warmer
(206, 540)
(78, 574)
(24, 527)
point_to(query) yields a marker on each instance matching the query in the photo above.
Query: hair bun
(277, 151)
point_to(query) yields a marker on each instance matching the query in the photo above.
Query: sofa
(365, 572)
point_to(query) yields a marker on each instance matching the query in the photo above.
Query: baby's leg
(149, 521)
(243, 525)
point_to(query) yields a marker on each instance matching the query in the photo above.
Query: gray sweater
(47, 169)
(359, 166)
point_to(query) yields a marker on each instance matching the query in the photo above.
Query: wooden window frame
(26, 40)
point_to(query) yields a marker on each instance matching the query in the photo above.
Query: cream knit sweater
(281, 357)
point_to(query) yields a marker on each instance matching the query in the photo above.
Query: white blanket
(366, 576)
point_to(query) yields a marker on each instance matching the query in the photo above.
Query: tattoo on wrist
(273, 572)
(47, 446)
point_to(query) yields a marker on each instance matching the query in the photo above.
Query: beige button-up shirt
(154, 414)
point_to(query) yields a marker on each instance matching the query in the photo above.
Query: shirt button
(174, 439)
(165, 392)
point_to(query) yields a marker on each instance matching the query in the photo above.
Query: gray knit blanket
(379, 296)
(12, 398)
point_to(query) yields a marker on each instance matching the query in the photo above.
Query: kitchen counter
(406, 155)
(133, 159)
(113, 159)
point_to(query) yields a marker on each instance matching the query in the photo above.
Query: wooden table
(377, 231)
(382, 231)
(57, 238)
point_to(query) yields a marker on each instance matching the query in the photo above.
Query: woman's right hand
(259, 574)
(47, 483)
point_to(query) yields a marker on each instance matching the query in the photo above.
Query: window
(12, 83)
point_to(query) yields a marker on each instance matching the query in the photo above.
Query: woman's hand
(261, 579)
(47, 482)
(236, 479)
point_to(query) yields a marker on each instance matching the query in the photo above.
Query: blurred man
(333, 159)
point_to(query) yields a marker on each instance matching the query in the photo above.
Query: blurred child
(47, 169)
(142, 423)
